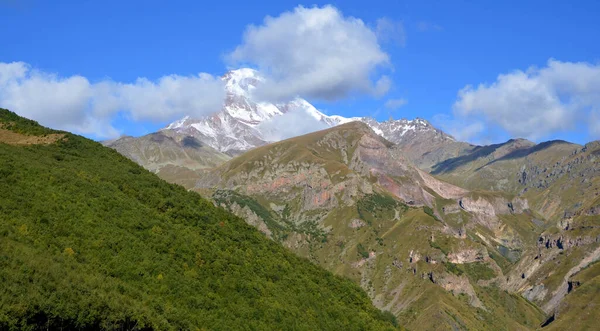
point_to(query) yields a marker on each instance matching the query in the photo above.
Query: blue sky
(437, 48)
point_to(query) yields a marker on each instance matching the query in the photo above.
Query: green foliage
(453, 268)
(500, 260)
(362, 251)
(18, 124)
(88, 239)
(229, 197)
(375, 206)
(281, 227)
(436, 245)
(478, 271)
(427, 210)
(312, 229)
(475, 271)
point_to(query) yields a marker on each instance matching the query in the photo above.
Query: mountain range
(89, 240)
(245, 123)
(503, 236)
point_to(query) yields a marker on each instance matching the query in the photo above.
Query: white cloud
(537, 102)
(171, 97)
(74, 104)
(393, 104)
(314, 53)
(461, 129)
(290, 124)
(391, 31)
(594, 123)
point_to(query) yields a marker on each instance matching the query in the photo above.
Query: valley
(279, 165)
(481, 237)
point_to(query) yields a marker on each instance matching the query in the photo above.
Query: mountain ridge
(347, 199)
(91, 240)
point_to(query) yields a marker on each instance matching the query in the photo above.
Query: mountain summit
(235, 128)
(240, 124)
(246, 122)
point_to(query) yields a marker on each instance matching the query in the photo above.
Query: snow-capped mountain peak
(236, 127)
(241, 81)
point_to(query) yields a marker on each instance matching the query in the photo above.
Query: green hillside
(89, 239)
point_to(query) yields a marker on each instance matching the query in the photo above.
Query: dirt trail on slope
(13, 138)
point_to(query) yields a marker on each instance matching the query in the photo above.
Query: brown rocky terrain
(14, 138)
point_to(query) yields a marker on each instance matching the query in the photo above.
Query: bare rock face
(467, 256)
(483, 209)
(250, 217)
(535, 293)
(486, 209)
(377, 157)
(459, 285)
(593, 211)
(357, 223)
(563, 242)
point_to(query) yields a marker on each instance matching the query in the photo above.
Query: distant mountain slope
(561, 183)
(156, 150)
(90, 240)
(173, 156)
(349, 200)
(420, 141)
(243, 124)
(552, 175)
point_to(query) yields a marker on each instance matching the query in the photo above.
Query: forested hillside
(89, 239)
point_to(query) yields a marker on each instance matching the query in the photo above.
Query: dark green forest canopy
(89, 239)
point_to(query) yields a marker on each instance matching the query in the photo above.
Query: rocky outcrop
(486, 209)
(563, 242)
(563, 289)
(483, 210)
(467, 256)
(458, 285)
(535, 293)
(250, 217)
(592, 211)
(356, 223)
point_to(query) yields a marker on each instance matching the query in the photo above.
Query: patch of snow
(178, 124)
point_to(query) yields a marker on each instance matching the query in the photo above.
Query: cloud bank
(394, 104)
(537, 102)
(315, 53)
(75, 104)
(291, 124)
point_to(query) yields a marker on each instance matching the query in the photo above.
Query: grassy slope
(88, 238)
(579, 309)
(392, 240)
(391, 231)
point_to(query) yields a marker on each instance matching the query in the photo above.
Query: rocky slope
(358, 200)
(174, 156)
(245, 123)
(420, 141)
(561, 183)
(350, 201)
(557, 177)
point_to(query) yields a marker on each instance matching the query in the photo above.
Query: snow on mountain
(243, 122)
